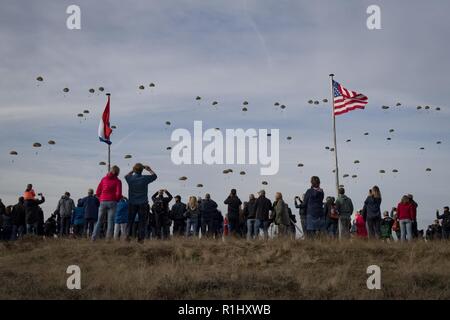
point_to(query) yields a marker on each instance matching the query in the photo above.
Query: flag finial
(108, 94)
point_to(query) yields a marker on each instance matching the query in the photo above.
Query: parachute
(245, 103)
(37, 145)
(345, 175)
(13, 153)
(141, 87)
(316, 102)
(101, 89)
(152, 85)
(310, 101)
(92, 90)
(40, 79)
(168, 123)
(51, 142)
(183, 178)
(86, 111)
(276, 104)
(354, 176)
(356, 162)
(215, 103)
(128, 156)
(102, 163)
(244, 109)
(395, 171)
(264, 183)
(398, 104)
(80, 115)
(198, 98)
(300, 165)
(199, 185)
(283, 107)
(289, 138)
(385, 107)
(66, 90)
(113, 127)
(366, 133)
(325, 100)
(382, 171)
(242, 173)
(428, 170)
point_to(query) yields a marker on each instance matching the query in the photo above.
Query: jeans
(344, 227)
(405, 230)
(32, 228)
(373, 227)
(89, 227)
(261, 224)
(192, 224)
(17, 232)
(251, 228)
(107, 208)
(64, 226)
(332, 227)
(141, 210)
(120, 229)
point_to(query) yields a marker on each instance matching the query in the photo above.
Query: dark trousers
(233, 224)
(65, 226)
(78, 230)
(373, 227)
(179, 227)
(89, 227)
(162, 223)
(141, 210)
(415, 231)
(207, 227)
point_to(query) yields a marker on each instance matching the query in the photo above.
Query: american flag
(346, 100)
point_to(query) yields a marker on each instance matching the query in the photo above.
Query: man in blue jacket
(90, 205)
(138, 197)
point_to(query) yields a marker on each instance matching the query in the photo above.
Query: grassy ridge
(208, 269)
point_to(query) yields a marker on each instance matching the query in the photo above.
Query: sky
(227, 51)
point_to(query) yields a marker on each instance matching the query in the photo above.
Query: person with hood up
(121, 219)
(405, 215)
(208, 211)
(281, 215)
(65, 208)
(78, 219)
(344, 207)
(109, 192)
(372, 212)
(313, 202)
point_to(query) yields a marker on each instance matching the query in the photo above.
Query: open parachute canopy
(215, 103)
(244, 109)
(385, 107)
(151, 85)
(128, 156)
(183, 178)
(80, 115)
(168, 123)
(198, 98)
(200, 185)
(101, 89)
(300, 165)
(102, 163)
(141, 87)
(245, 103)
(86, 111)
(13, 153)
(382, 171)
(37, 145)
(428, 170)
(264, 183)
(91, 90)
(325, 100)
(242, 173)
(51, 142)
(310, 101)
(40, 79)
(66, 90)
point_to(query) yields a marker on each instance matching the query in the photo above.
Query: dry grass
(201, 269)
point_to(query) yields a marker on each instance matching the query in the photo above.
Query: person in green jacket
(281, 215)
(344, 207)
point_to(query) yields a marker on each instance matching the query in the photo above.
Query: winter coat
(344, 206)
(109, 188)
(250, 209)
(405, 211)
(177, 211)
(386, 227)
(445, 219)
(78, 216)
(372, 207)
(161, 203)
(65, 207)
(281, 213)
(138, 187)
(91, 205)
(32, 210)
(234, 204)
(361, 230)
(313, 202)
(192, 214)
(18, 214)
(208, 208)
(263, 207)
(121, 215)
(301, 208)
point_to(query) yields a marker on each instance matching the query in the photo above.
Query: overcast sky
(229, 51)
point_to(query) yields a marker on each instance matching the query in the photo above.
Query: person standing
(360, 223)
(344, 207)
(331, 217)
(18, 219)
(405, 215)
(192, 215)
(161, 210)
(445, 217)
(313, 202)
(301, 212)
(65, 208)
(250, 215)
(121, 219)
(177, 216)
(263, 210)
(109, 192)
(208, 208)
(138, 197)
(415, 231)
(32, 213)
(234, 206)
(386, 226)
(78, 219)
(281, 215)
(90, 205)
(372, 212)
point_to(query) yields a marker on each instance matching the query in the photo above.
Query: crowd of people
(107, 213)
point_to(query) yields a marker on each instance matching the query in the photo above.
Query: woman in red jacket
(109, 192)
(405, 214)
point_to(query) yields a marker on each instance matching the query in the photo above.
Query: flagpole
(109, 145)
(334, 136)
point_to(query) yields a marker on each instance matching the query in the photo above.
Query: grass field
(209, 269)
